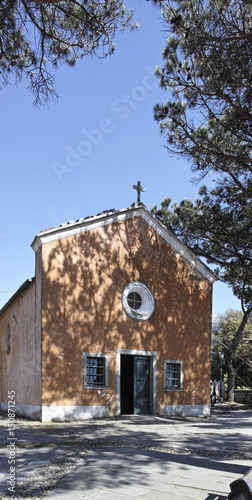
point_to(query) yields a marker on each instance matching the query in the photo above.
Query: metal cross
(139, 188)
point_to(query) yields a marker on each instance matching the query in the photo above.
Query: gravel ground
(41, 482)
(38, 484)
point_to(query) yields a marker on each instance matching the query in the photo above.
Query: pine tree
(36, 36)
(208, 121)
(208, 69)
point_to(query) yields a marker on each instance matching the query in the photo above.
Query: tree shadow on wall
(83, 279)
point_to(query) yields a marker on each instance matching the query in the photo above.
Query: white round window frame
(147, 307)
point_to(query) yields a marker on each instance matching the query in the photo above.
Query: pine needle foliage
(37, 36)
(207, 120)
(208, 70)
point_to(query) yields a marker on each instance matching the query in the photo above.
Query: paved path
(112, 473)
(135, 457)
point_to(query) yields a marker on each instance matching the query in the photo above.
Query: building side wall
(20, 369)
(83, 279)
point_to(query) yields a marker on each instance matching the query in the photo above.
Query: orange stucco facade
(79, 282)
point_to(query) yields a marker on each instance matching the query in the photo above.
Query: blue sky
(82, 155)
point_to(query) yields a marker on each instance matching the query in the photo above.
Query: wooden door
(141, 385)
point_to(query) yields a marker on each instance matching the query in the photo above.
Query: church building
(117, 320)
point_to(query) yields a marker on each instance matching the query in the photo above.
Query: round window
(134, 300)
(138, 301)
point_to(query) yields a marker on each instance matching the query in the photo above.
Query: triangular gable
(112, 216)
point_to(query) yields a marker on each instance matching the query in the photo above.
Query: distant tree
(237, 356)
(36, 36)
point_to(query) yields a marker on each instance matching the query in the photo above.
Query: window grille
(95, 371)
(134, 300)
(173, 375)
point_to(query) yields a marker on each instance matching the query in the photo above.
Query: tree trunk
(237, 338)
(231, 379)
(230, 359)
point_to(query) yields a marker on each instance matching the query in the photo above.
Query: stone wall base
(29, 411)
(186, 410)
(64, 413)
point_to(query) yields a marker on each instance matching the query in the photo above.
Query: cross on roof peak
(139, 188)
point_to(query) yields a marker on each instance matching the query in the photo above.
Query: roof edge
(17, 293)
(111, 216)
(185, 252)
(54, 233)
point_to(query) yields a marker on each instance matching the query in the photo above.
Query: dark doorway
(127, 384)
(135, 385)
